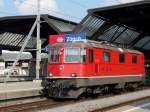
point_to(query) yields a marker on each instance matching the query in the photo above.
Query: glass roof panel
(91, 25)
(142, 42)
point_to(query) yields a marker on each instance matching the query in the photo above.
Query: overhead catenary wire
(50, 10)
(60, 13)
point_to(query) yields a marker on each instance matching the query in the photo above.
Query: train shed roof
(127, 24)
(14, 30)
(135, 15)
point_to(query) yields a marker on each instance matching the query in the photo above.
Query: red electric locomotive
(91, 67)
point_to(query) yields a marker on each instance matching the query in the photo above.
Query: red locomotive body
(91, 67)
(95, 62)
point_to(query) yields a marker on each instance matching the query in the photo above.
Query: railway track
(49, 103)
(120, 105)
(33, 106)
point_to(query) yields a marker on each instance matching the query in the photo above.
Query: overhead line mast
(38, 53)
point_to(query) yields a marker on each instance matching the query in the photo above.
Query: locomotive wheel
(53, 92)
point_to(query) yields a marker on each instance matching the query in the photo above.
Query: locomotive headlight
(61, 68)
(51, 75)
(73, 75)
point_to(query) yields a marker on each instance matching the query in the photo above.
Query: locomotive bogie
(74, 87)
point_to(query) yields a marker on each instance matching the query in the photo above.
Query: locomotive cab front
(66, 61)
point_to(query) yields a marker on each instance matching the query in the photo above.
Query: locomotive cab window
(121, 58)
(54, 55)
(106, 57)
(134, 59)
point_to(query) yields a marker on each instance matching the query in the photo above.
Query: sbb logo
(60, 39)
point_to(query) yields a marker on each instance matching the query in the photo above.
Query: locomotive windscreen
(68, 55)
(75, 55)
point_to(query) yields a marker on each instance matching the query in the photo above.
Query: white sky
(1, 2)
(73, 10)
(126, 1)
(29, 6)
(26, 6)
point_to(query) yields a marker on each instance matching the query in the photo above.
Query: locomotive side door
(90, 64)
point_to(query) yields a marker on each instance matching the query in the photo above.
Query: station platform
(16, 78)
(12, 90)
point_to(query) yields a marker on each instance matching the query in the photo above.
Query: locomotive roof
(96, 44)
